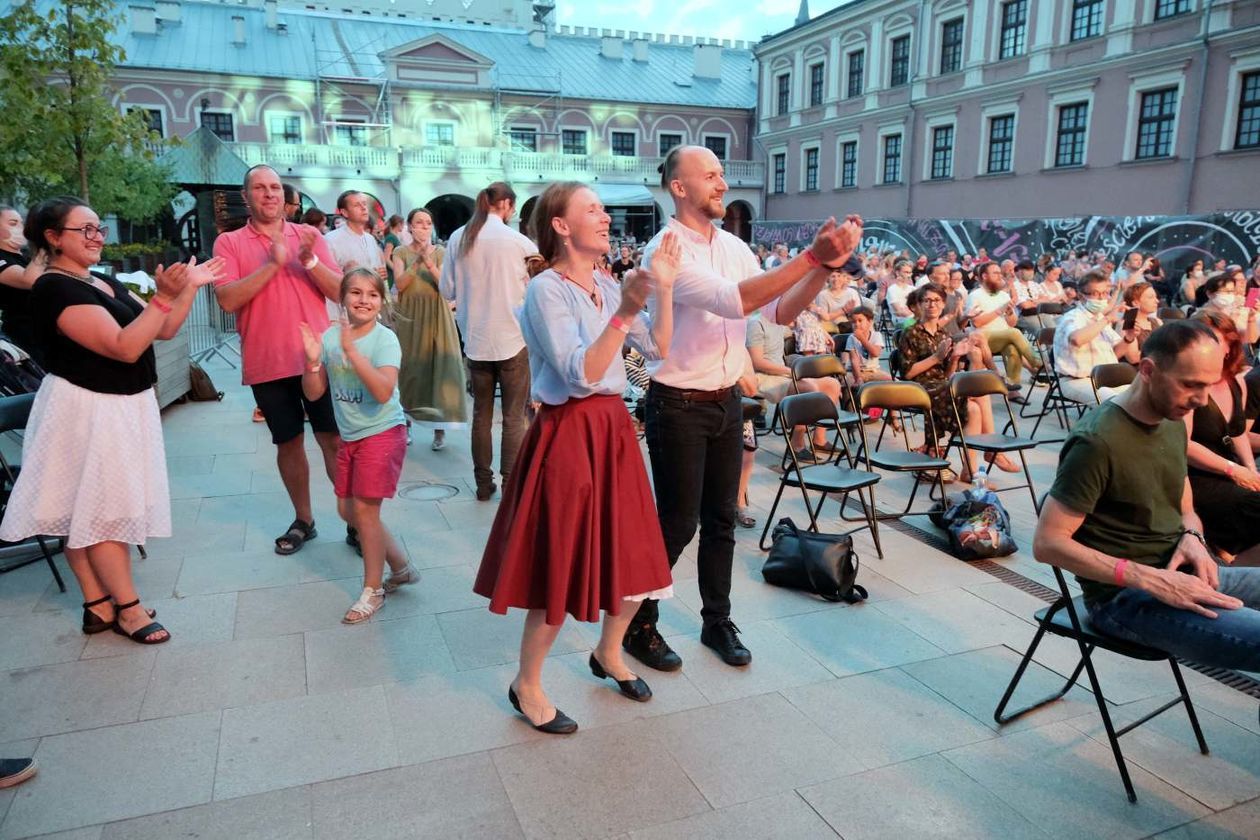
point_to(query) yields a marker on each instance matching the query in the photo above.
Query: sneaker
(14, 771)
(647, 645)
(721, 636)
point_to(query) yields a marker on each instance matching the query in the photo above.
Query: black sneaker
(720, 635)
(645, 644)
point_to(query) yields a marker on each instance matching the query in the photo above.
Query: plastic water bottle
(979, 482)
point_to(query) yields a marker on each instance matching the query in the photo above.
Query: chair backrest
(752, 408)
(1115, 375)
(1045, 338)
(1171, 313)
(817, 367)
(15, 411)
(894, 395)
(1049, 309)
(805, 410)
(975, 383)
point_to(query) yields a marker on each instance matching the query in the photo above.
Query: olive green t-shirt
(1128, 479)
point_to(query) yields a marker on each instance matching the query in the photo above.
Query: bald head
(693, 176)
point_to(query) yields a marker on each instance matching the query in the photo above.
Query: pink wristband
(1119, 572)
(164, 308)
(617, 323)
(811, 257)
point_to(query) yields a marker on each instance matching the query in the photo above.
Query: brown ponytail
(486, 199)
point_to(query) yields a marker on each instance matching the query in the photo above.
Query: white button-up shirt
(707, 350)
(1078, 362)
(488, 287)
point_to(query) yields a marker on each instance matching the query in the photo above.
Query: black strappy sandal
(93, 623)
(298, 535)
(139, 636)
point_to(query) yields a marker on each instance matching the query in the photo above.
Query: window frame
(861, 73)
(1165, 124)
(1019, 29)
(778, 172)
(884, 137)
(661, 148)
(218, 112)
(959, 47)
(439, 124)
(725, 137)
(344, 132)
(514, 142)
(1091, 9)
(1245, 103)
(843, 165)
(808, 172)
(1139, 85)
(895, 61)
(1160, 12)
(783, 93)
(817, 83)
(990, 119)
(576, 129)
(269, 115)
(1082, 130)
(612, 141)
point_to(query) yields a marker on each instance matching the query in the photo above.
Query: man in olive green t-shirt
(1120, 515)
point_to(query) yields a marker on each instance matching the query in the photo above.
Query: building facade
(1012, 109)
(420, 109)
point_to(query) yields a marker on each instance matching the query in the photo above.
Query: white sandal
(370, 601)
(406, 577)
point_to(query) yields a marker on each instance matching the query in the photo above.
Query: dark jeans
(512, 376)
(696, 449)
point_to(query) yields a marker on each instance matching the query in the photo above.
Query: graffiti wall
(1175, 240)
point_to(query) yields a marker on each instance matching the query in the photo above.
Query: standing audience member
(277, 275)
(431, 380)
(1085, 338)
(899, 290)
(392, 240)
(484, 274)
(17, 275)
(316, 219)
(624, 263)
(576, 532)
(94, 464)
(352, 245)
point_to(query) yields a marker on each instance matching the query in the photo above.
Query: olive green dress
(431, 379)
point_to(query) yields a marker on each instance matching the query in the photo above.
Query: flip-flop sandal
(298, 535)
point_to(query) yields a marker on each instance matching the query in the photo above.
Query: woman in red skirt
(577, 531)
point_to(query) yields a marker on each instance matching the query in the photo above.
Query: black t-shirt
(619, 268)
(15, 306)
(50, 296)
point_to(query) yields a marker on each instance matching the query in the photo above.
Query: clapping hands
(834, 243)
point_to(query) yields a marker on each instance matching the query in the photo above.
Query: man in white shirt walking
(694, 417)
(353, 245)
(484, 275)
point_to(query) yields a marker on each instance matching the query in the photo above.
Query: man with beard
(990, 310)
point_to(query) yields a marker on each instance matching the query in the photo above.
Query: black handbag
(824, 564)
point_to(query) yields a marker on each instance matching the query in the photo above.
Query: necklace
(86, 278)
(591, 292)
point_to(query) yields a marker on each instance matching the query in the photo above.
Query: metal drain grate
(427, 491)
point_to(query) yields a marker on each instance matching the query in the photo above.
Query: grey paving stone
(207, 573)
(854, 639)
(782, 817)
(462, 513)
(224, 675)
(209, 484)
(918, 567)
(752, 599)
(605, 781)
(303, 740)
(91, 832)
(386, 650)
(181, 465)
(73, 695)
(14, 749)
(200, 620)
(478, 638)
(1227, 702)
(429, 549)
(777, 663)
(279, 815)
(955, 620)
(748, 748)
(284, 610)
(924, 798)
(593, 702)
(1237, 823)
(23, 588)
(116, 772)
(154, 580)
(886, 717)
(446, 589)
(1056, 776)
(453, 798)
(39, 638)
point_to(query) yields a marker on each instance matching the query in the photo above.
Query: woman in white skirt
(93, 462)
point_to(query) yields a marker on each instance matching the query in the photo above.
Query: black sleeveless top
(1211, 430)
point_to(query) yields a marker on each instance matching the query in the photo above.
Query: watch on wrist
(1192, 532)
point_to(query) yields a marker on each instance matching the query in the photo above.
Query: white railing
(376, 159)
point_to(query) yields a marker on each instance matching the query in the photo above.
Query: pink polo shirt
(271, 341)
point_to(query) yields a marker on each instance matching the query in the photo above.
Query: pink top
(271, 343)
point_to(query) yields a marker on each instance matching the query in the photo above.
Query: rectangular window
(572, 141)
(1170, 8)
(780, 174)
(951, 45)
(284, 129)
(1155, 124)
(624, 144)
(899, 70)
(857, 69)
(942, 152)
(350, 134)
(220, 125)
(784, 93)
(811, 170)
(815, 85)
(1248, 134)
(523, 139)
(1069, 148)
(439, 134)
(717, 145)
(848, 164)
(1001, 143)
(153, 117)
(892, 159)
(1087, 19)
(1014, 29)
(667, 142)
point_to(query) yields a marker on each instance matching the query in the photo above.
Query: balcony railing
(381, 160)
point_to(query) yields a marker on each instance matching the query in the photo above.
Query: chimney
(143, 20)
(640, 49)
(168, 11)
(238, 30)
(611, 46)
(538, 36)
(269, 12)
(708, 61)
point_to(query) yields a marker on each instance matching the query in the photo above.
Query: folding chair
(1170, 313)
(1055, 402)
(1068, 617)
(896, 397)
(1114, 375)
(986, 383)
(808, 410)
(789, 360)
(822, 367)
(14, 413)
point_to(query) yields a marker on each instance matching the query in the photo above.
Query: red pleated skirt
(577, 530)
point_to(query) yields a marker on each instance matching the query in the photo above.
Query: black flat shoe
(635, 689)
(561, 724)
(721, 636)
(93, 623)
(648, 646)
(140, 636)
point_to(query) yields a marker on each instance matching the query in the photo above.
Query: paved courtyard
(266, 718)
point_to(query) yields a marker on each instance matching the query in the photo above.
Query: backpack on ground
(201, 387)
(977, 524)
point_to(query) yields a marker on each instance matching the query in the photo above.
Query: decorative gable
(436, 59)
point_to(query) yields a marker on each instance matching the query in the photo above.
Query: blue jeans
(1231, 640)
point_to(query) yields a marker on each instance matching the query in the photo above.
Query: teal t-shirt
(358, 413)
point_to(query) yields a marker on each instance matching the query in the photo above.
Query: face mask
(1223, 300)
(1198, 274)
(1095, 307)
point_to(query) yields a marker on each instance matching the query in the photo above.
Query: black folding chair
(1114, 375)
(985, 383)
(839, 478)
(14, 413)
(896, 397)
(1068, 617)
(1056, 402)
(824, 367)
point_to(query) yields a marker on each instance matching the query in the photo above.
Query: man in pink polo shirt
(276, 276)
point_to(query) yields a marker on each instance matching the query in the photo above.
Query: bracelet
(314, 367)
(1198, 536)
(1119, 572)
(618, 323)
(1229, 470)
(310, 266)
(164, 308)
(811, 258)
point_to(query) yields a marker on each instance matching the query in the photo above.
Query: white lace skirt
(93, 469)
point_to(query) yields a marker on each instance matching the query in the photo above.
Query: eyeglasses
(91, 231)
(931, 300)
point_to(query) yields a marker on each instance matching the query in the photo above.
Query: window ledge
(845, 189)
(1150, 161)
(1245, 150)
(890, 184)
(939, 180)
(1009, 173)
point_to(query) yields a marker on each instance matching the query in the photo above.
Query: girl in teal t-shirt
(357, 360)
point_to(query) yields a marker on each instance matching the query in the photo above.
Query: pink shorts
(369, 468)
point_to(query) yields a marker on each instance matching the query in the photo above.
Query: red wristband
(811, 258)
(1119, 572)
(617, 323)
(164, 308)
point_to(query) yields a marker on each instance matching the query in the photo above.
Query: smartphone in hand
(1130, 318)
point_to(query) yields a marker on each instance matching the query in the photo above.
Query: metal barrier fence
(211, 331)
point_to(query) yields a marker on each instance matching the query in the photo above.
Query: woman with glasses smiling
(93, 463)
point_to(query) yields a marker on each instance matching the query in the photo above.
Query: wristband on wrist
(811, 258)
(313, 367)
(309, 266)
(162, 306)
(1119, 572)
(1229, 470)
(619, 323)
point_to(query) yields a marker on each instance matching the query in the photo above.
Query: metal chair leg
(43, 547)
(1112, 737)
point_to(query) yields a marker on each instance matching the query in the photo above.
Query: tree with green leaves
(60, 130)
